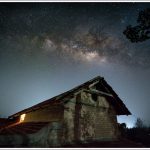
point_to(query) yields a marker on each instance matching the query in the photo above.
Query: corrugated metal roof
(117, 102)
(23, 128)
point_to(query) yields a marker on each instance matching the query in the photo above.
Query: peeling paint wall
(49, 136)
(88, 119)
(68, 122)
(96, 119)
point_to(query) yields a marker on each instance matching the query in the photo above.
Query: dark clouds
(47, 48)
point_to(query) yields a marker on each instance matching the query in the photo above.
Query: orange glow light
(22, 117)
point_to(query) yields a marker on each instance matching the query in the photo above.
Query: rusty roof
(117, 102)
(23, 128)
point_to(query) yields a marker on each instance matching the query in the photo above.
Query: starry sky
(49, 48)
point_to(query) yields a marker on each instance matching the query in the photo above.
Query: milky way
(47, 48)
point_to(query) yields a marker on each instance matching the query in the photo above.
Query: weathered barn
(86, 113)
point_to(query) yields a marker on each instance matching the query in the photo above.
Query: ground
(122, 143)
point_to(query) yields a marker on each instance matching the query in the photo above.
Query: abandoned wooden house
(85, 113)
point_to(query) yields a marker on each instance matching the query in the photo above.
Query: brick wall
(97, 119)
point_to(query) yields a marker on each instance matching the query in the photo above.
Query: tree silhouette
(139, 123)
(141, 32)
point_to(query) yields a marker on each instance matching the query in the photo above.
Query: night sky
(49, 48)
